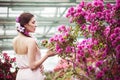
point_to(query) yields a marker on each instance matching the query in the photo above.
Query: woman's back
(20, 44)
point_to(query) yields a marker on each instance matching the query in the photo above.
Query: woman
(28, 56)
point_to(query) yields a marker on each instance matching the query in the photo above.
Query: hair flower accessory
(20, 29)
(17, 19)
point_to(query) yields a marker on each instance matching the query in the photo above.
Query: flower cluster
(62, 64)
(97, 57)
(7, 67)
(61, 42)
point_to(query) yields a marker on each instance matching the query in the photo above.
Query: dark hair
(23, 19)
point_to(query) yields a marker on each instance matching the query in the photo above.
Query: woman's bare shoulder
(31, 41)
(14, 39)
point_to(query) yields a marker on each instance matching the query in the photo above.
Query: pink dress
(24, 72)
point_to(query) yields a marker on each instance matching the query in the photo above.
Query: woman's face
(31, 26)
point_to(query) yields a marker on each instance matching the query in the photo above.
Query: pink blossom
(71, 11)
(66, 34)
(117, 30)
(58, 49)
(100, 74)
(68, 49)
(62, 28)
(62, 64)
(78, 10)
(17, 19)
(118, 3)
(76, 15)
(82, 4)
(117, 49)
(109, 6)
(71, 20)
(90, 68)
(83, 27)
(106, 31)
(99, 63)
(51, 39)
(61, 39)
(5, 54)
(68, 15)
(112, 36)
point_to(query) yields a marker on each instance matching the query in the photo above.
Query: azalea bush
(7, 67)
(97, 57)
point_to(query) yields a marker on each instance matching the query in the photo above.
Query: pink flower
(99, 63)
(58, 49)
(51, 39)
(100, 74)
(118, 3)
(62, 64)
(17, 19)
(106, 31)
(117, 49)
(117, 30)
(68, 15)
(62, 28)
(68, 49)
(112, 36)
(61, 39)
(5, 54)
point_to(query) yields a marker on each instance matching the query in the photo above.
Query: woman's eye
(33, 22)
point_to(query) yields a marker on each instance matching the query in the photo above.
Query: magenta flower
(70, 12)
(90, 69)
(17, 19)
(51, 39)
(117, 30)
(61, 39)
(83, 27)
(99, 63)
(58, 49)
(118, 3)
(71, 20)
(106, 31)
(66, 34)
(62, 28)
(100, 74)
(112, 36)
(68, 15)
(68, 49)
(109, 6)
(117, 49)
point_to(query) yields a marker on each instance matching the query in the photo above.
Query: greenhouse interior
(75, 39)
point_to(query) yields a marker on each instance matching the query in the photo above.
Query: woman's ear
(26, 25)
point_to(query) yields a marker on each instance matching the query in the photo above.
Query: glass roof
(49, 14)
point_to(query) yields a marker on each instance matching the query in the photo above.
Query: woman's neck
(20, 34)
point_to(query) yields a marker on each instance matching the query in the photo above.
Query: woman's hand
(51, 53)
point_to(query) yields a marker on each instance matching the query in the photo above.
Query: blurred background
(49, 14)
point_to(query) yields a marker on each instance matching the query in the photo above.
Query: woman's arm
(32, 50)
